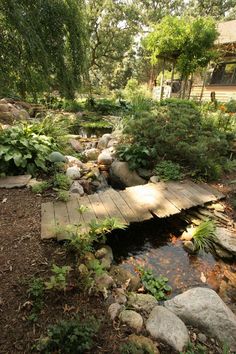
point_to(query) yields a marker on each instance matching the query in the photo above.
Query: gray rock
(112, 143)
(204, 309)
(154, 179)
(76, 145)
(114, 310)
(119, 295)
(120, 170)
(189, 247)
(164, 325)
(73, 172)
(56, 156)
(202, 338)
(222, 253)
(92, 154)
(146, 174)
(123, 277)
(77, 188)
(142, 302)
(226, 239)
(132, 319)
(103, 141)
(104, 251)
(105, 158)
(104, 281)
(73, 161)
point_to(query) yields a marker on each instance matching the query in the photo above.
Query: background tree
(42, 45)
(218, 9)
(186, 41)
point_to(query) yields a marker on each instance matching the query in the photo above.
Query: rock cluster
(11, 110)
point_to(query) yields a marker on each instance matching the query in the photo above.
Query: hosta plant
(22, 150)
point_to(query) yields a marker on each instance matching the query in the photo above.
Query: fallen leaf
(4, 200)
(203, 278)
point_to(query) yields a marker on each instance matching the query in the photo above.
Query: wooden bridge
(134, 204)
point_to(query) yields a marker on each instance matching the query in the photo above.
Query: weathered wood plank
(73, 214)
(61, 219)
(111, 207)
(213, 191)
(132, 198)
(185, 201)
(89, 214)
(125, 210)
(206, 195)
(99, 209)
(47, 221)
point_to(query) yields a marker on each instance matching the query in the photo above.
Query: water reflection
(156, 245)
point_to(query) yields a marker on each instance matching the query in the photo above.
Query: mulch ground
(23, 256)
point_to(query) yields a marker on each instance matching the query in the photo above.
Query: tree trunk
(162, 79)
(172, 77)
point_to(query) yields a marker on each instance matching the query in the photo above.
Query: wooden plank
(89, 214)
(157, 201)
(185, 202)
(73, 214)
(111, 207)
(99, 209)
(61, 214)
(185, 190)
(133, 201)
(125, 210)
(214, 191)
(206, 195)
(14, 181)
(47, 221)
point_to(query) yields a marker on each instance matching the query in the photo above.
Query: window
(224, 74)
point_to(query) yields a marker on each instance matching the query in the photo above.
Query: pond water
(156, 245)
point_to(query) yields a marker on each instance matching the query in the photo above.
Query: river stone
(114, 310)
(202, 308)
(73, 161)
(104, 281)
(146, 344)
(104, 251)
(92, 154)
(123, 277)
(77, 188)
(222, 252)
(189, 247)
(105, 158)
(120, 170)
(103, 141)
(142, 302)
(132, 319)
(165, 326)
(73, 172)
(226, 239)
(76, 145)
(119, 295)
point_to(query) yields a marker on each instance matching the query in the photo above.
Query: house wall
(222, 93)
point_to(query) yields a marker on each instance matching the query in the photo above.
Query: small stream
(156, 244)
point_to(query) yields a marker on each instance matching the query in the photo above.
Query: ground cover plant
(157, 286)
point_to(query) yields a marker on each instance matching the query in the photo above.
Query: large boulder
(142, 302)
(226, 239)
(204, 309)
(165, 326)
(132, 319)
(121, 172)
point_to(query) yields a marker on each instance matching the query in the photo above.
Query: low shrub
(61, 181)
(176, 130)
(157, 286)
(137, 156)
(73, 336)
(168, 170)
(40, 187)
(135, 348)
(58, 280)
(63, 196)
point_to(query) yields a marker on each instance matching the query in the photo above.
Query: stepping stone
(14, 181)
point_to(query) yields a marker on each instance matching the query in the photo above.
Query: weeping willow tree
(42, 46)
